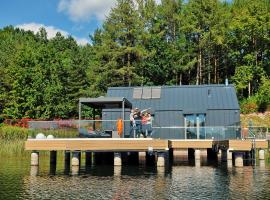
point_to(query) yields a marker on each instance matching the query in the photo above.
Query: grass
(12, 148)
(12, 138)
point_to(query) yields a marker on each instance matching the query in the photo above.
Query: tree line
(175, 42)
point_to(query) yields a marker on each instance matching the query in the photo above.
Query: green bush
(249, 105)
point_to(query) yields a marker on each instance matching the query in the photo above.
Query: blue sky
(78, 18)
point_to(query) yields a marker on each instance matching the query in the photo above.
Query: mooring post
(34, 158)
(219, 155)
(53, 158)
(117, 170)
(197, 154)
(117, 159)
(88, 158)
(67, 159)
(229, 154)
(34, 170)
(75, 169)
(67, 162)
(160, 159)
(203, 154)
(75, 161)
(180, 155)
(142, 157)
(224, 155)
(261, 154)
(238, 159)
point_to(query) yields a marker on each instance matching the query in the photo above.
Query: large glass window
(195, 126)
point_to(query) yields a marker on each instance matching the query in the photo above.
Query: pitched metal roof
(188, 98)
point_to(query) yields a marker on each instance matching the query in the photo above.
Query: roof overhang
(106, 102)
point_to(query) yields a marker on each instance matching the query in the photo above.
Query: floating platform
(136, 144)
(242, 145)
(97, 144)
(225, 150)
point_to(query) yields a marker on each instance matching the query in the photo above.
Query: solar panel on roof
(137, 93)
(147, 93)
(156, 92)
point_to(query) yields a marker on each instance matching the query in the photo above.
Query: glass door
(190, 126)
(201, 126)
(195, 126)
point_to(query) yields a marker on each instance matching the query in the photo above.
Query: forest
(141, 42)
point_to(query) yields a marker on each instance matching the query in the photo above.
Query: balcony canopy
(106, 102)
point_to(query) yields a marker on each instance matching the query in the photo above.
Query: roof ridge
(174, 86)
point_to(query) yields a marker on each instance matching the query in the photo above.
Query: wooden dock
(99, 144)
(242, 145)
(136, 144)
(225, 149)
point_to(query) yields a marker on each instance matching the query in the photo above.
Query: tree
(121, 47)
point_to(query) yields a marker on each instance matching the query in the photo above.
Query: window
(195, 126)
(147, 93)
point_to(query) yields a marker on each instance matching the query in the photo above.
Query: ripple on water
(106, 182)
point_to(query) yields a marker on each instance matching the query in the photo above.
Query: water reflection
(262, 164)
(133, 182)
(34, 171)
(75, 170)
(117, 171)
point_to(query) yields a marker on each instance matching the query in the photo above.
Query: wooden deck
(242, 145)
(136, 144)
(105, 145)
(185, 144)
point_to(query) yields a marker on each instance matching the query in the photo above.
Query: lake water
(132, 182)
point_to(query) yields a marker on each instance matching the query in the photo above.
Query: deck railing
(157, 131)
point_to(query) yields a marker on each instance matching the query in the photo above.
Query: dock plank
(242, 145)
(136, 144)
(196, 144)
(96, 144)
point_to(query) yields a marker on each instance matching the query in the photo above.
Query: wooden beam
(184, 144)
(242, 145)
(96, 144)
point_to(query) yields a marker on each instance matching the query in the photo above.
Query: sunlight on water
(20, 181)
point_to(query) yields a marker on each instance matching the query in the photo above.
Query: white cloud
(84, 10)
(35, 27)
(81, 41)
(51, 31)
